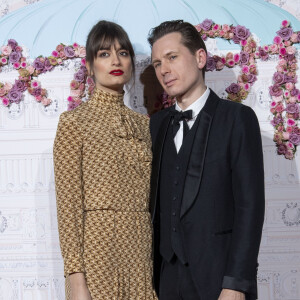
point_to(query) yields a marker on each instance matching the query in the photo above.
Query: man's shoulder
(160, 115)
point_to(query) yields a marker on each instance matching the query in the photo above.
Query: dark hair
(102, 36)
(190, 37)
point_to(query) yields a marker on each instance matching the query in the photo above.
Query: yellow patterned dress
(102, 161)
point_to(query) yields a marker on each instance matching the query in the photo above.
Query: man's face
(177, 69)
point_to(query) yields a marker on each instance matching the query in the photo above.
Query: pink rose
(6, 50)
(236, 58)
(81, 52)
(285, 23)
(82, 86)
(230, 63)
(293, 100)
(23, 65)
(35, 84)
(286, 135)
(282, 63)
(2, 92)
(273, 103)
(294, 38)
(83, 61)
(231, 35)
(282, 51)
(226, 27)
(30, 69)
(290, 145)
(16, 65)
(38, 98)
(5, 101)
(287, 43)
(279, 69)
(245, 69)
(289, 86)
(75, 45)
(279, 107)
(219, 65)
(229, 55)
(277, 99)
(75, 93)
(55, 53)
(291, 122)
(216, 27)
(243, 43)
(273, 48)
(8, 86)
(46, 101)
(289, 154)
(277, 40)
(289, 129)
(247, 87)
(221, 32)
(286, 94)
(211, 33)
(90, 81)
(4, 60)
(70, 99)
(291, 50)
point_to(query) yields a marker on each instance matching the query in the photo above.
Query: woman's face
(112, 68)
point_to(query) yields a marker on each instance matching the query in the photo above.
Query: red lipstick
(116, 72)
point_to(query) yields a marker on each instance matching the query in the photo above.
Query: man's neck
(189, 98)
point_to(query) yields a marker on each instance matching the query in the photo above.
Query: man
(207, 186)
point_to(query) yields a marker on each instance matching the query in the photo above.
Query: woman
(102, 158)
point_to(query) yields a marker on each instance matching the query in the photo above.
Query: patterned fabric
(102, 160)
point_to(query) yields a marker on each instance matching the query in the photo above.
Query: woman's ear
(88, 66)
(201, 58)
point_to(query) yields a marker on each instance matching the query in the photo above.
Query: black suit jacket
(222, 207)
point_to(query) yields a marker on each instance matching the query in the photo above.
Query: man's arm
(249, 202)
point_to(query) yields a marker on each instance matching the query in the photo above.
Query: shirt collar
(197, 105)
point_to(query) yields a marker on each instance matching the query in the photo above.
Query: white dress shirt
(196, 108)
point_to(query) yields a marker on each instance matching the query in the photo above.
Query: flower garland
(285, 96)
(245, 59)
(12, 53)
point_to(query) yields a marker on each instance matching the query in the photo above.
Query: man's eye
(156, 65)
(173, 57)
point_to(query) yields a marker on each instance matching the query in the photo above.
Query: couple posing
(207, 182)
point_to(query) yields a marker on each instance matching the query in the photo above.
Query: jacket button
(177, 168)
(173, 213)
(174, 229)
(175, 182)
(174, 198)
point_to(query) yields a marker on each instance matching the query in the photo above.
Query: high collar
(106, 99)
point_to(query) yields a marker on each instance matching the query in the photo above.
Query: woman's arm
(67, 154)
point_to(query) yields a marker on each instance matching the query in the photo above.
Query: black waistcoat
(172, 178)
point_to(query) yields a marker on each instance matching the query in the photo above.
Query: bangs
(108, 40)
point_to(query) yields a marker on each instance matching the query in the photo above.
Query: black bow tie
(181, 116)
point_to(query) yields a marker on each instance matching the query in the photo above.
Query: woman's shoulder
(74, 114)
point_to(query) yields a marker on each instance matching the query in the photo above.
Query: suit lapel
(157, 155)
(197, 156)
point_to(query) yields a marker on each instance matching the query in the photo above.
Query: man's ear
(201, 58)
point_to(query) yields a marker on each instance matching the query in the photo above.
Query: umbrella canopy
(43, 25)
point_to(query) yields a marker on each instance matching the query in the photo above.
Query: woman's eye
(124, 53)
(103, 54)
